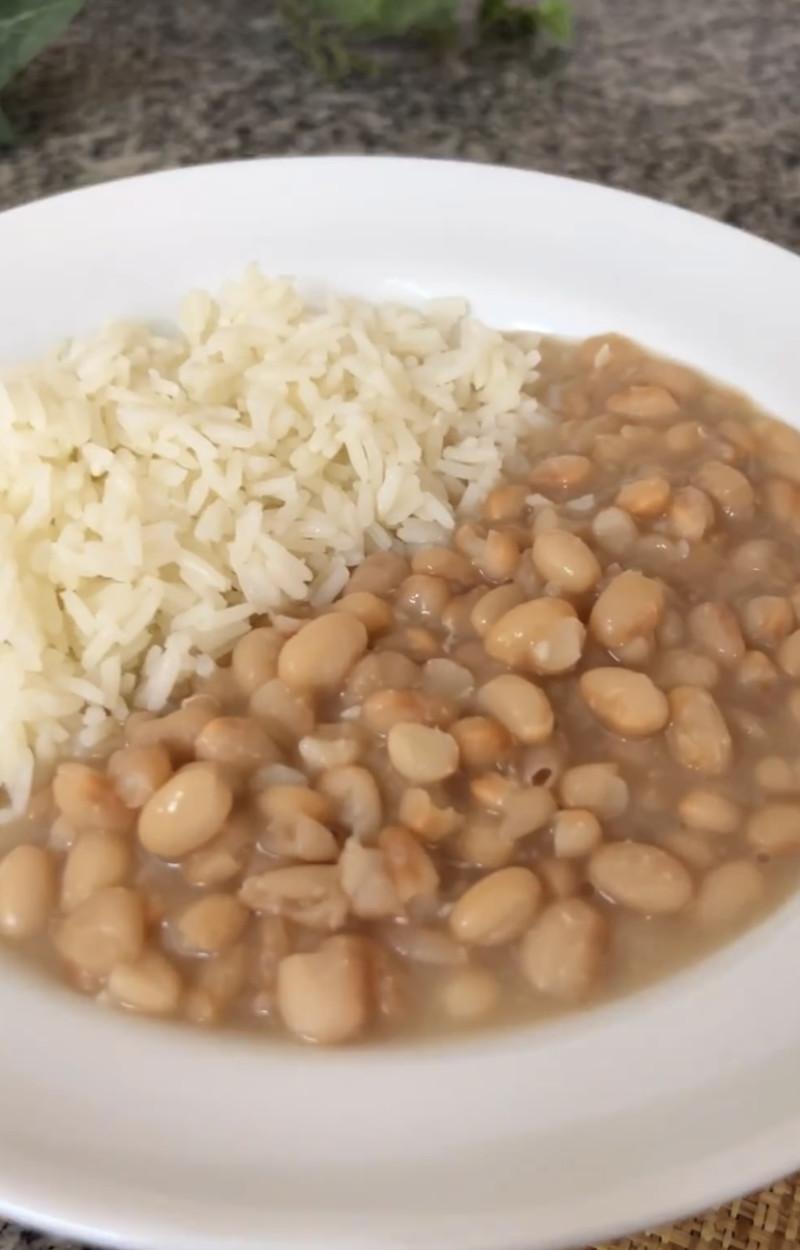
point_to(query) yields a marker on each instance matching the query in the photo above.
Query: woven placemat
(769, 1220)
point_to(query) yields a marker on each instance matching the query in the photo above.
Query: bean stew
(493, 780)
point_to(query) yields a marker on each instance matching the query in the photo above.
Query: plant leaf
(555, 17)
(26, 27)
(390, 17)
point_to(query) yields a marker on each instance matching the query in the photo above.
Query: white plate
(140, 1135)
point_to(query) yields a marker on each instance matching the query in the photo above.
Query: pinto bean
(641, 877)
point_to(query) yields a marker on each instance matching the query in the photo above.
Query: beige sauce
(379, 822)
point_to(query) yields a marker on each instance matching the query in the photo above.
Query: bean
(424, 945)
(758, 555)
(565, 561)
(630, 607)
(774, 829)
(680, 667)
(497, 909)
(185, 813)
(211, 924)
(96, 860)
(542, 765)
(27, 891)
(563, 954)
(411, 868)
(236, 742)
(271, 944)
(447, 680)
(642, 403)
(672, 630)
(422, 755)
(388, 984)
(384, 709)
(697, 853)
(627, 703)
(777, 775)
(519, 706)
(782, 502)
(596, 787)
(729, 489)
(709, 812)
(310, 894)
(788, 655)
(322, 653)
(254, 660)
(691, 514)
(715, 628)
(646, 497)
(494, 604)
(576, 833)
(216, 983)
(525, 811)
(543, 636)
(684, 438)
(729, 894)
(367, 882)
(431, 822)
(379, 573)
(641, 877)
(481, 740)
(560, 877)
(444, 563)
(104, 930)
(423, 595)
(767, 620)
(374, 613)
(87, 800)
(561, 473)
(287, 715)
(756, 671)
(323, 996)
(303, 838)
(505, 503)
(470, 995)
(481, 845)
(499, 558)
(223, 858)
(417, 643)
(177, 732)
(149, 985)
(282, 805)
(491, 790)
(357, 802)
(615, 530)
(697, 735)
(456, 619)
(332, 746)
(137, 772)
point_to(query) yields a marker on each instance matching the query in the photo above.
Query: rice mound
(157, 490)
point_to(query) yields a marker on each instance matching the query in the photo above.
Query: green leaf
(555, 17)
(390, 17)
(26, 27)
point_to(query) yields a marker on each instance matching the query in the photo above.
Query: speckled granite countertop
(693, 101)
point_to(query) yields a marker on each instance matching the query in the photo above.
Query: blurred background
(692, 101)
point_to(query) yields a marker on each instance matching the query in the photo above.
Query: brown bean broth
(575, 384)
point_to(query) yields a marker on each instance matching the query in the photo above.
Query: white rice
(156, 491)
